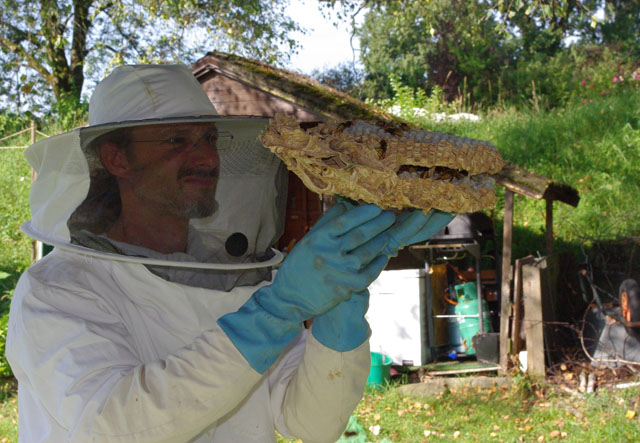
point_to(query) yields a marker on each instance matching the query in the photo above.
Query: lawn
(522, 412)
(508, 414)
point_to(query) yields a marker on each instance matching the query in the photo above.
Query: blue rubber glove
(344, 327)
(414, 227)
(341, 255)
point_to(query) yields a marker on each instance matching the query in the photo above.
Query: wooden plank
(465, 371)
(454, 365)
(532, 185)
(533, 318)
(518, 188)
(522, 181)
(505, 288)
(518, 311)
(290, 86)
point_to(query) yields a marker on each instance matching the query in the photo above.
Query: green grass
(594, 148)
(8, 412)
(15, 180)
(508, 414)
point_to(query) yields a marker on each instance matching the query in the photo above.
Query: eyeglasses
(221, 141)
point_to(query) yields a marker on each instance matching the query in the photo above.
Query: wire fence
(32, 130)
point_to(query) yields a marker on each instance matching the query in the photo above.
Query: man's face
(174, 168)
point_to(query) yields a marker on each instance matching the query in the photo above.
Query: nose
(205, 154)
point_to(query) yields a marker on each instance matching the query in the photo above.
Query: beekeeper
(159, 316)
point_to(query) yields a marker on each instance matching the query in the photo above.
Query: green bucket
(468, 305)
(379, 374)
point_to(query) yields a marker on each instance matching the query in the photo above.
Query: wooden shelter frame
(517, 180)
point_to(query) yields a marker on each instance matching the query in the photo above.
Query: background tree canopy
(54, 45)
(479, 52)
(485, 51)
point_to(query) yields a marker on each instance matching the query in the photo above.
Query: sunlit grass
(8, 412)
(508, 414)
(594, 148)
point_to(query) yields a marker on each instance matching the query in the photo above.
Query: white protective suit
(106, 350)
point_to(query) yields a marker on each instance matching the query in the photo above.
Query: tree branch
(21, 34)
(32, 62)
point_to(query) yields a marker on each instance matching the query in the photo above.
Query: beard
(204, 204)
(176, 198)
(198, 208)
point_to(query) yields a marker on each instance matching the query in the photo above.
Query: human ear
(114, 158)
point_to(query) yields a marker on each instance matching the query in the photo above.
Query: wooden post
(516, 328)
(533, 317)
(505, 288)
(549, 226)
(36, 246)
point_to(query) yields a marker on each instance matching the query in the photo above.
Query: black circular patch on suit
(237, 244)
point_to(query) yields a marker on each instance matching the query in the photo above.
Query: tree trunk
(67, 76)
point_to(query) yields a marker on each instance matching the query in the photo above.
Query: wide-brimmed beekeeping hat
(66, 197)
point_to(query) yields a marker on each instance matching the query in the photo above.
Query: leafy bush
(413, 103)
(15, 180)
(5, 369)
(67, 114)
(576, 75)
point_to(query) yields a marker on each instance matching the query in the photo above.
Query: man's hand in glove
(344, 327)
(341, 255)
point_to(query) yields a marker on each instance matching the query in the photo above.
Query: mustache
(205, 173)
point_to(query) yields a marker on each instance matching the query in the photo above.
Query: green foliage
(450, 43)
(591, 146)
(68, 113)
(49, 47)
(343, 77)
(11, 123)
(501, 52)
(15, 253)
(576, 75)
(410, 103)
(5, 369)
(9, 413)
(15, 179)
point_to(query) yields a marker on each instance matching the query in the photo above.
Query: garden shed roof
(284, 85)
